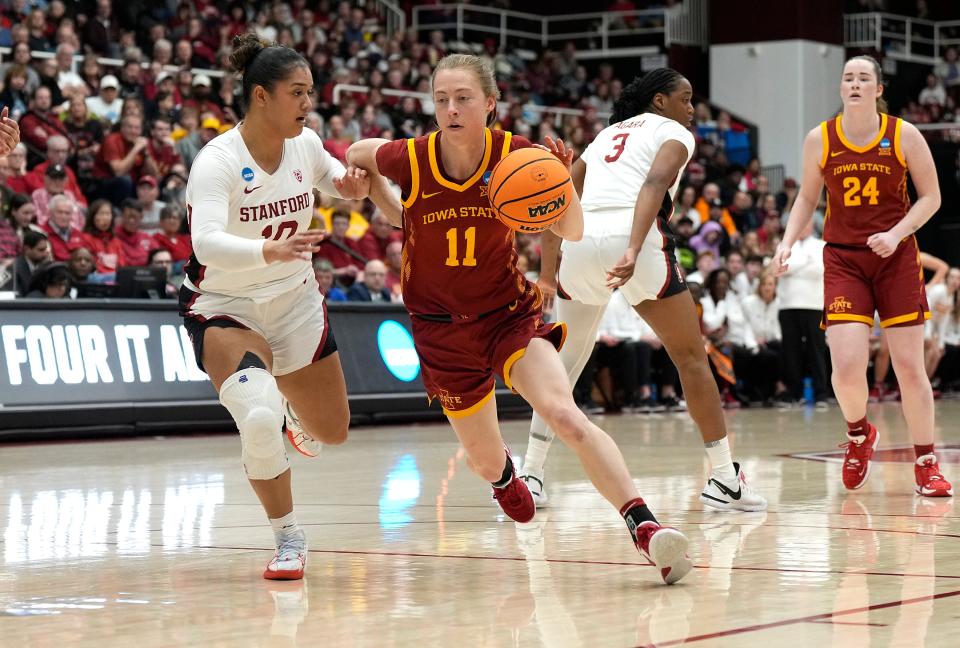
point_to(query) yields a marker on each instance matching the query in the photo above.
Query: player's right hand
(779, 261)
(548, 288)
(296, 248)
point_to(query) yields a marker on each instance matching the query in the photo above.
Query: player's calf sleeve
(252, 398)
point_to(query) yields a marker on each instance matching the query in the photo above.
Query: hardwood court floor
(160, 542)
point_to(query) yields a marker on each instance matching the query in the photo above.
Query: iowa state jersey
(458, 258)
(228, 192)
(866, 185)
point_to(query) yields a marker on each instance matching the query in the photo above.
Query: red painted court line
(805, 619)
(851, 623)
(402, 554)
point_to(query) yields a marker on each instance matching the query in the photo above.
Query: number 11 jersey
(458, 258)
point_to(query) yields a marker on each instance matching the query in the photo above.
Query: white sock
(287, 525)
(719, 454)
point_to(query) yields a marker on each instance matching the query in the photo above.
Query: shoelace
(290, 548)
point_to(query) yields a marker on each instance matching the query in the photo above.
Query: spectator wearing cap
(65, 237)
(148, 193)
(40, 122)
(165, 82)
(107, 104)
(190, 145)
(122, 160)
(162, 148)
(58, 149)
(201, 97)
(136, 244)
(54, 184)
(68, 80)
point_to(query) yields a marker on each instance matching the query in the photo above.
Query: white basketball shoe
(732, 497)
(534, 483)
(300, 440)
(290, 558)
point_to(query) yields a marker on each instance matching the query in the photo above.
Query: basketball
(530, 190)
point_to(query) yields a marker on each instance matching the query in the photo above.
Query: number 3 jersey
(618, 161)
(458, 258)
(234, 207)
(866, 185)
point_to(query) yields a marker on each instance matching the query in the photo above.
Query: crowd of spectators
(98, 181)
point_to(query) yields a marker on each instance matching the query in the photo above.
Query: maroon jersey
(866, 185)
(458, 258)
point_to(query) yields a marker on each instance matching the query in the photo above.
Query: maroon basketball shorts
(857, 282)
(459, 359)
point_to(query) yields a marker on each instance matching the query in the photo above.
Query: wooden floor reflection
(160, 542)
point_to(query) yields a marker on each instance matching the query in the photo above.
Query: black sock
(635, 512)
(506, 476)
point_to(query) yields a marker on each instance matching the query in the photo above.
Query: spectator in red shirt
(170, 238)
(162, 148)
(394, 263)
(64, 236)
(122, 159)
(98, 237)
(339, 140)
(58, 149)
(39, 123)
(17, 163)
(340, 251)
(201, 97)
(373, 244)
(136, 244)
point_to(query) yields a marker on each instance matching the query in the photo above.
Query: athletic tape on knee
(252, 398)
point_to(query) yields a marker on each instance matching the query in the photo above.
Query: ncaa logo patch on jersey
(298, 175)
(486, 178)
(247, 174)
(885, 147)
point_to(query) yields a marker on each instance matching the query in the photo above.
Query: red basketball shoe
(515, 499)
(856, 460)
(666, 548)
(929, 480)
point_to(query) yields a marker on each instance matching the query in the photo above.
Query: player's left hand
(354, 184)
(560, 150)
(623, 270)
(9, 132)
(883, 244)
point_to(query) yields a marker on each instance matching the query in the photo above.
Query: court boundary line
(813, 618)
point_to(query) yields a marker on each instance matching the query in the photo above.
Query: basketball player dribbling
(250, 301)
(627, 179)
(871, 261)
(475, 315)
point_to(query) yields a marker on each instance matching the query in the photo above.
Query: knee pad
(252, 398)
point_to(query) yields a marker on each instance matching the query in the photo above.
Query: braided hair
(638, 96)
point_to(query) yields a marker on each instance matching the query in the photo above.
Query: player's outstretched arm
(811, 184)
(923, 172)
(363, 155)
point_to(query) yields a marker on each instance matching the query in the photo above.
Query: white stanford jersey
(233, 207)
(618, 161)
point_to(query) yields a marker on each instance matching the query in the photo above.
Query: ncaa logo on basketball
(246, 174)
(548, 207)
(397, 351)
